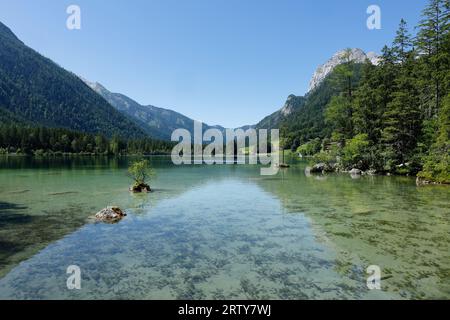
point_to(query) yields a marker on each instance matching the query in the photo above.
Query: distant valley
(38, 92)
(157, 122)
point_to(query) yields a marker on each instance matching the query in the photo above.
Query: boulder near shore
(110, 214)
(355, 172)
(321, 168)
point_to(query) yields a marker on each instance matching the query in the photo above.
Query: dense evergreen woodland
(393, 117)
(36, 90)
(49, 141)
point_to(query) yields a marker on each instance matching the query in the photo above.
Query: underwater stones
(140, 187)
(110, 214)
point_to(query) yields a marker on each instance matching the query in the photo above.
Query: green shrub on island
(140, 171)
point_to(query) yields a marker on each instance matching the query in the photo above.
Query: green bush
(310, 148)
(329, 157)
(39, 152)
(356, 153)
(437, 164)
(140, 171)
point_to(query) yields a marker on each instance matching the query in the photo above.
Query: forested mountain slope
(157, 122)
(39, 91)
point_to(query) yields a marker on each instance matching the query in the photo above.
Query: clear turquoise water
(218, 232)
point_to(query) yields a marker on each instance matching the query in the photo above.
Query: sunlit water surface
(218, 232)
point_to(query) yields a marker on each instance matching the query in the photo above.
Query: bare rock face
(288, 107)
(110, 214)
(356, 55)
(373, 57)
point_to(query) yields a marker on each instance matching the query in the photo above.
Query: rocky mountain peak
(97, 87)
(288, 107)
(356, 55)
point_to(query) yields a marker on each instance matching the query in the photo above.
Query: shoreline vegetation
(80, 154)
(392, 118)
(43, 141)
(140, 171)
(313, 167)
(388, 118)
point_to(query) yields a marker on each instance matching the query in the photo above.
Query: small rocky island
(140, 172)
(111, 214)
(140, 187)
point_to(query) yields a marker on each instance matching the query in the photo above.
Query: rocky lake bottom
(218, 232)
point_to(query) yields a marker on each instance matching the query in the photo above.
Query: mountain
(33, 89)
(356, 55)
(7, 117)
(157, 122)
(36, 90)
(304, 113)
(308, 122)
(292, 104)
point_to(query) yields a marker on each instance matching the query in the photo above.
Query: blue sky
(228, 62)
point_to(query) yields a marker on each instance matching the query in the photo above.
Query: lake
(218, 232)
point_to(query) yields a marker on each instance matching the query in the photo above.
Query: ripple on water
(220, 233)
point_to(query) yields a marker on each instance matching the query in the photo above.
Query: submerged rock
(322, 168)
(318, 168)
(424, 182)
(355, 176)
(355, 172)
(141, 187)
(308, 171)
(110, 214)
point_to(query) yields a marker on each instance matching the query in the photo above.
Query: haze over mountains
(160, 123)
(157, 122)
(36, 91)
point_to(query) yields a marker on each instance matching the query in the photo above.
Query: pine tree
(402, 43)
(343, 76)
(401, 118)
(372, 98)
(339, 111)
(339, 115)
(433, 30)
(437, 163)
(368, 104)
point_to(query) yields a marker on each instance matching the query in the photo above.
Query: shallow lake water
(218, 232)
